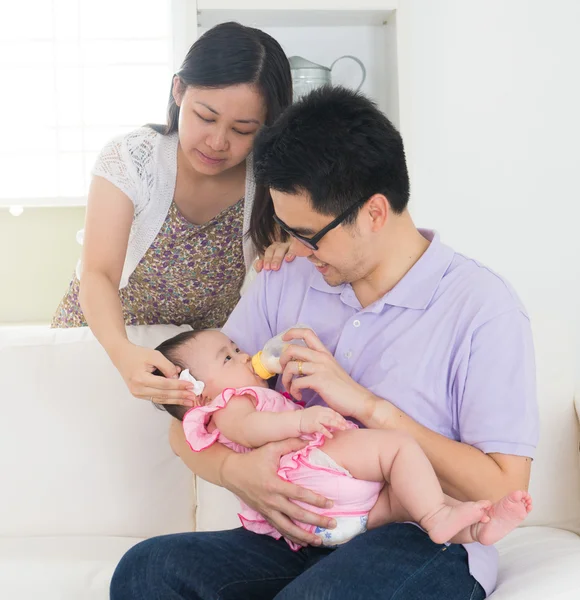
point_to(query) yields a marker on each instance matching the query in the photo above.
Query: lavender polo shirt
(450, 345)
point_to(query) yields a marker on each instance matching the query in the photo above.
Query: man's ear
(378, 210)
(178, 90)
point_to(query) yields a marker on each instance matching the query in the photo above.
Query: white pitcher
(307, 75)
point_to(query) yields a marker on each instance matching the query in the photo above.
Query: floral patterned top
(191, 274)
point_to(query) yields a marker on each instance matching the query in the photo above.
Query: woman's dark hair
(232, 54)
(169, 348)
(337, 146)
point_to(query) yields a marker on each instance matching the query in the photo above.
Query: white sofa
(86, 472)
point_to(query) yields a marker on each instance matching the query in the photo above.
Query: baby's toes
(516, 496)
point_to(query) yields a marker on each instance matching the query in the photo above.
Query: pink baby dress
(352, 498)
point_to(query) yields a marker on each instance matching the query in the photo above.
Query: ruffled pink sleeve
(196, 420)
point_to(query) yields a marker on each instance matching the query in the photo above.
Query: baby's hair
(170, 349)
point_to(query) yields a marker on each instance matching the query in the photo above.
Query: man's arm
(496, 408)
(464, 472)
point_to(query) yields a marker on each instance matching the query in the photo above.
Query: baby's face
(219, 363)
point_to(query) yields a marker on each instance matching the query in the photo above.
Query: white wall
(494, 137)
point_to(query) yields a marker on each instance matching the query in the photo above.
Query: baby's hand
(320, 419)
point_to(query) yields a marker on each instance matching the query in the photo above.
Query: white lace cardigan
(143, 165)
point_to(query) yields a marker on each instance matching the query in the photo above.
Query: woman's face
(217, 127)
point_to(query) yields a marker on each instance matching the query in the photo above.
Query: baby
(341, 462)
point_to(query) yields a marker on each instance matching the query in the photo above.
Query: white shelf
(6, 203)
(293, 5)
(294, 18)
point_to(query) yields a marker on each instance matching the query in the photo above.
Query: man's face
(342, 253)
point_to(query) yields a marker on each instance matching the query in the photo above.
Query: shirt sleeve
(498, 409)
(250, 325)
(116, 164)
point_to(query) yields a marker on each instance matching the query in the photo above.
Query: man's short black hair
(336, 145)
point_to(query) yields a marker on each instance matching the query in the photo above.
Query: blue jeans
(397, 561)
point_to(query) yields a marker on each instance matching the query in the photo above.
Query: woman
(169, 208)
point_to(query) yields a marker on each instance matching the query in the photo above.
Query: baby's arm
(242, 423)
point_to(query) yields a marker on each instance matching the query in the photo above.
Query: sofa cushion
(217, 508)
(62, 568)
(538, 562)
(78, 454)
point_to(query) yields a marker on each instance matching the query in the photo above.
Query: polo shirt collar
(417, 287)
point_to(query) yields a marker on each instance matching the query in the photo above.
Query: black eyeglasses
(312, 242)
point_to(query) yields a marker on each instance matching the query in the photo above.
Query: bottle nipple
(259, 367)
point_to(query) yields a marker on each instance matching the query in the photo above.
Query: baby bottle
(266, 363)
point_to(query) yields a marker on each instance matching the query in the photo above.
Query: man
(409, 335)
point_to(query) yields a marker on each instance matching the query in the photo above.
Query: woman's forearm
(99, 299)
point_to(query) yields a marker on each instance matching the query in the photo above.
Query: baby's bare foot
(505, 515)
(450, 520)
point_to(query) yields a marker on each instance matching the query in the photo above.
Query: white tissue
(198, 386)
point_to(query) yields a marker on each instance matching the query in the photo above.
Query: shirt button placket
(348, 353)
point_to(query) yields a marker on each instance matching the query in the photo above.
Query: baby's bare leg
(376, 455)
(387, 509)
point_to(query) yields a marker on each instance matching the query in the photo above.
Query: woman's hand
(315, 368)
(253, 478)
(274, 256)
(136, 365)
